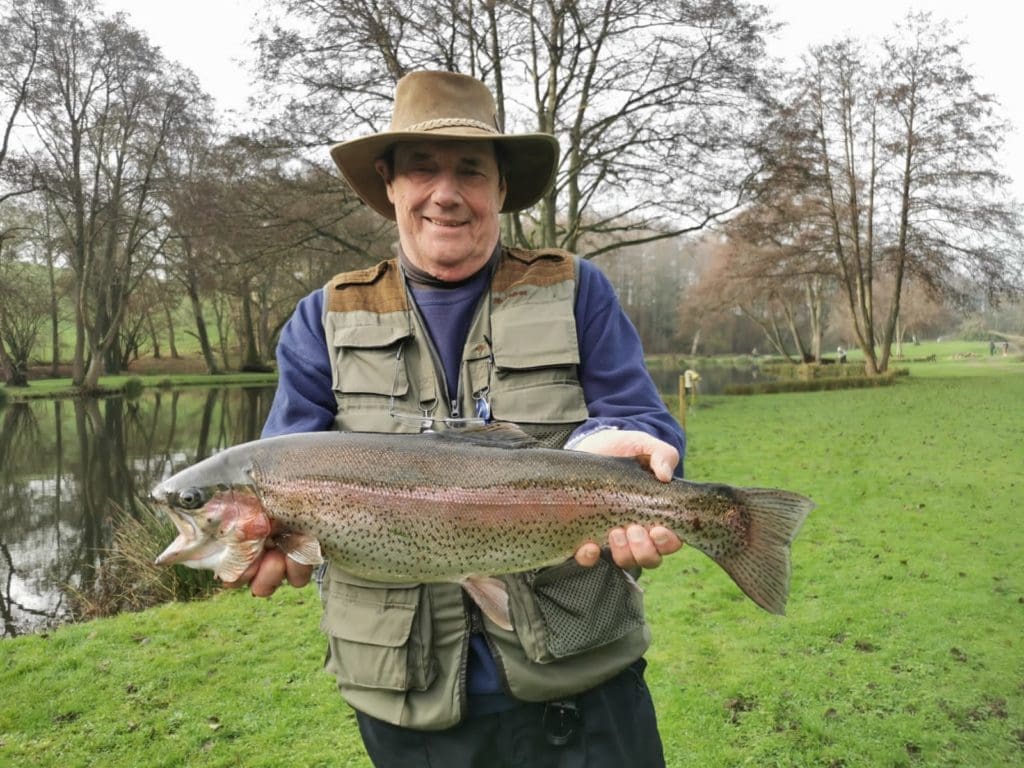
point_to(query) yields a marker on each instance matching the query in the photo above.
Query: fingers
(664, 459)
(660, 457)
(635, 546)
(271, 570)
(298, 574)
(588, 554)
(665, 540)
(271, 573)
(247, 575)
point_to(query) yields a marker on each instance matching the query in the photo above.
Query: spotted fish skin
(451, 508)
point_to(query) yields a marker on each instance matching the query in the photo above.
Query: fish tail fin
(761, 568)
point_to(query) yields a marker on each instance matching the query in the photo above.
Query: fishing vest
(399, 651)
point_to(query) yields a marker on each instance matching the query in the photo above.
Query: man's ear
(383, 168)
(502, 191)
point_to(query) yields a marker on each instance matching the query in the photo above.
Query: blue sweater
(616, 386)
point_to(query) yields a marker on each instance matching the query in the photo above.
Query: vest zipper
(455, 405)
(435, 358)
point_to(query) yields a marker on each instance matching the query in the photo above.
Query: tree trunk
(250, 352)
(201, 332)
(154, 337)
(172, 345)
(13, 374)
(54, 310)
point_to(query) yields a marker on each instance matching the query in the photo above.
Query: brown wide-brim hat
(446, 106)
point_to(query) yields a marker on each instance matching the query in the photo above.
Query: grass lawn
(902, 645)
(903, 642)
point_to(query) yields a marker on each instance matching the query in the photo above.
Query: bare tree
(20, 40)
(655, 104)
(23, 314)
(777, 251)
(895, 162)
(106, 107)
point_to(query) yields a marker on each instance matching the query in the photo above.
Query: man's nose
(446, 191)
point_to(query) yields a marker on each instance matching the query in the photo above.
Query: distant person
(1006, 348)
(991, 348)
(842, 354)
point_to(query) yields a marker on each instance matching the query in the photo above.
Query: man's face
(447, 197)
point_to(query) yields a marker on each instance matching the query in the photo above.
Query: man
(457, 330)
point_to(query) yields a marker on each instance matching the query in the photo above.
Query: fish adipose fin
(761, 568)
(490, 594)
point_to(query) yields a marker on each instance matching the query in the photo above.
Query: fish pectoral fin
(300, 547)
(490, 594)
(237, 557)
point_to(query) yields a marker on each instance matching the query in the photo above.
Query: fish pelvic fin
(761, 568)
(490, 594)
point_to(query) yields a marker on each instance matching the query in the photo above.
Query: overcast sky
(211, 36)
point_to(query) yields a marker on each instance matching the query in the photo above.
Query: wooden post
(682, 401)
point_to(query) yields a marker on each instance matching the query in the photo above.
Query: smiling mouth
(446, 224)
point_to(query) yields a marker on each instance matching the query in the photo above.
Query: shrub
(133, 388)
(128, 580)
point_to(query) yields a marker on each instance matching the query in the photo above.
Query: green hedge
(816, 385)
(808, 371)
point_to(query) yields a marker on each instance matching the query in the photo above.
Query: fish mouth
(188, 541)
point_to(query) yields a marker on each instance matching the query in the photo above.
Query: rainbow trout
(460, 506)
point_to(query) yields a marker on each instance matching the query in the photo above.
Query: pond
(66, 466)
(713, 378)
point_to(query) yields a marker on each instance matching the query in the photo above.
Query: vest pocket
(567, 609)
(367, 360)
(541, 388)
(379, 636)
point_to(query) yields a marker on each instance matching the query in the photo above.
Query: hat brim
(530, 159)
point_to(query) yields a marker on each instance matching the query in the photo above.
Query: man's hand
(633, 546)
(269, 571)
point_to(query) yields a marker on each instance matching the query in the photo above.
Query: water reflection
(67, 466)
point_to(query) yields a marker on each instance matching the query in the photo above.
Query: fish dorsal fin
(499, 434)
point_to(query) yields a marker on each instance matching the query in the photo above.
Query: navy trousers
(610, 726)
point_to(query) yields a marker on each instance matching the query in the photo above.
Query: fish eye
(190, 498)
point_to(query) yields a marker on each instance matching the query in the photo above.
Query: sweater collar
(419, 278)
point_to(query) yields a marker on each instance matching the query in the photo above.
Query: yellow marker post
(682, 401)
